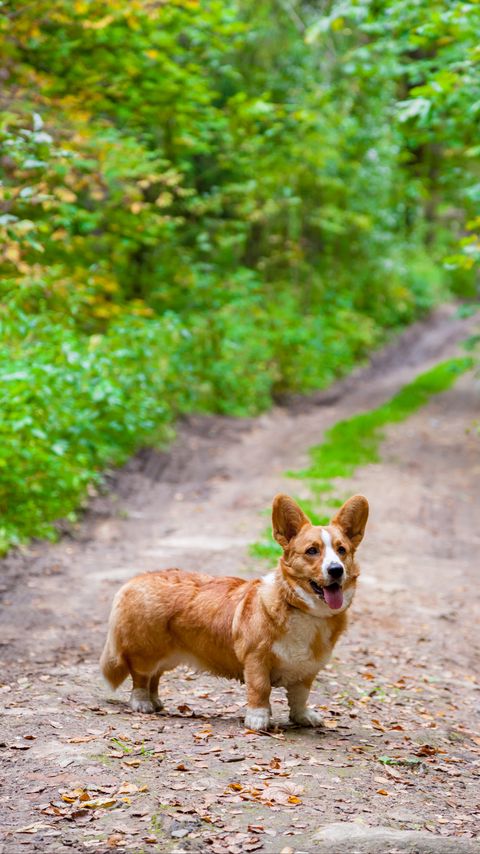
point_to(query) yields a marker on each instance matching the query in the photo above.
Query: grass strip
(356, 441)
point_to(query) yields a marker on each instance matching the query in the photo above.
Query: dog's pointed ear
(352, 518)
(287, 519)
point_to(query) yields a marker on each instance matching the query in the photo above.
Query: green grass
(355, 442)
(266, 548)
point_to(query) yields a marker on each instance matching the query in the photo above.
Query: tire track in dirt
(399, 698)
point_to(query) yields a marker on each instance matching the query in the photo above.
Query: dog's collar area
(319, 590)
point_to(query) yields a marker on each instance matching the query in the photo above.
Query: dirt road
(396, 766)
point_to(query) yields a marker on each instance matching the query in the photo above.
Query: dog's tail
(112, 662)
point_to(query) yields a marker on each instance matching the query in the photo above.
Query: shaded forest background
(204, 205)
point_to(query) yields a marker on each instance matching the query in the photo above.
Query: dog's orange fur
(278, 630)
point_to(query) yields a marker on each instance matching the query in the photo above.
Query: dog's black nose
(335, 570)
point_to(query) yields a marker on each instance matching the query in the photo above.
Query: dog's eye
(312, 551)
(341, 550)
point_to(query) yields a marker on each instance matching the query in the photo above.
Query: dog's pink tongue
(333, 597)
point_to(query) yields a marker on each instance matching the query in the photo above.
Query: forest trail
(396, 766)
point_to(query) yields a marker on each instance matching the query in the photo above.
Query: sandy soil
(396, 766)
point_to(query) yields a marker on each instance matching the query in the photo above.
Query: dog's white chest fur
(296, 659)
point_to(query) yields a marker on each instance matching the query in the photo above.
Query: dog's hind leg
(140, 697)
(153, 691)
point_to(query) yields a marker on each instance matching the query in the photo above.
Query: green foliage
(428, 55)
(203, 206)
(70, 404)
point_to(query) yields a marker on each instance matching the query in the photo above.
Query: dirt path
(397, 765)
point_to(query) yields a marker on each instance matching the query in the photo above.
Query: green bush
(70, 404)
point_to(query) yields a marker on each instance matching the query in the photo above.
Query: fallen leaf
(33, 828)
(283, 793)
(102, 803)
(54, 810)
(426, 750)
(392, 772)
(79, 739)
(127, 789)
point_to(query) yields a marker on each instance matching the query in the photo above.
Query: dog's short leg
(153, 692)
(297, 700)
(257, 681)
(140, 697)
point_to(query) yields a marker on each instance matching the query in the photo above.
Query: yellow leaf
(100, 804)
(164, 199)
(12, 253)
(127, 789)
(59, 234)
(65, 195)
(98, 25)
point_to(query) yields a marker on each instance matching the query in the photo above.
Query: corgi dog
(266, 632)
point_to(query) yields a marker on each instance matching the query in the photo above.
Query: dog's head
(319, 561)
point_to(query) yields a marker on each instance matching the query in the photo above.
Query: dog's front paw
(141, 702)
(306, 717)
(156, 703)
(257, 719)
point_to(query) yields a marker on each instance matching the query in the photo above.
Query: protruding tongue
(333, 596)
